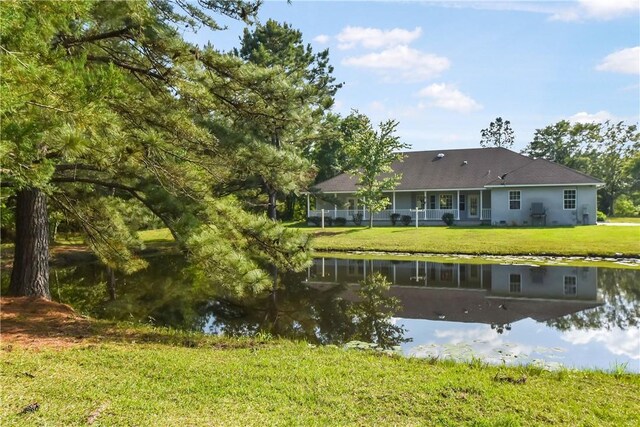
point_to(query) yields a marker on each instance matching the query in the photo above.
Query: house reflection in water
(494, 294)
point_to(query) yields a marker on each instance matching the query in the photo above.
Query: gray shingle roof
(468, 168)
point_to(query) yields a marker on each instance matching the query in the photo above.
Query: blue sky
(445, 69)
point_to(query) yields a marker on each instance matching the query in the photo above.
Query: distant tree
(607, 151)
(498, 134)
(616, 148)
(328, 151)
(566, 144)
(296, 110)
(371, 154)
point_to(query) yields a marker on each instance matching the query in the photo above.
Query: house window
(514, 199)
(569, 199)
(446, 201)
(462, 202)
(515, 283)
(432, 201)
(570, 285)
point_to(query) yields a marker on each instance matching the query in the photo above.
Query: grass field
(564, 241)
(629, 220)
(194, 380)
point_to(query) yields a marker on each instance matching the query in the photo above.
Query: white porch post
(426, 202)
(335, 270)
(335, 207)
(323, 265)
(481, 194)
(322, 222)
(458, 205)
(364, 210)
(308, 205)
(393, 201)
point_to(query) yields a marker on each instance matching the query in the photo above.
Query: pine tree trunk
(30, 276)
(272, 213)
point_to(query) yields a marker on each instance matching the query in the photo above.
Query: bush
(340, 221)
(394, 218)
(406, 219)
(601, 217)
(357, 218)
(448, 218)
(624, 206)
(315, 220)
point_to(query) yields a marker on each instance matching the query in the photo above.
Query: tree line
(609, 151)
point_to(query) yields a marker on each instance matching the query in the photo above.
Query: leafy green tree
(565, 144)
(328, 152)
(498, 134)
(371, 154)
(617, 145)
(105, 99)
(607, 151)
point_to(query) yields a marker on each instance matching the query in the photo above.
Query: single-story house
(478, 185)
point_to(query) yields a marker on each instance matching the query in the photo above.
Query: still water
(583, 317)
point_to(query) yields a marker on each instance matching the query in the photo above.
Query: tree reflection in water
(620, 291)
(168, 293)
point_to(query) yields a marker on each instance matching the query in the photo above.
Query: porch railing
(385, 215)
(486, 213)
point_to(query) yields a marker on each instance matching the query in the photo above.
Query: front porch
(468, 207)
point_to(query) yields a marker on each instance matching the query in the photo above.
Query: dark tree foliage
(105, 100)
(498, 134)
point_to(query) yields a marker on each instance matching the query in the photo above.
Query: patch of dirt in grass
(35, 322)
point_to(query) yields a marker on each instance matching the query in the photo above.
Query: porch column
(394, 201)
(335, 207)
(481, 194)
(308, 205)
(426, 203)
(458, 205)
(364, 211)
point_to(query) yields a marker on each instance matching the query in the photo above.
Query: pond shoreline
(617, 262)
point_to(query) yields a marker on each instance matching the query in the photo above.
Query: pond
(584, 317)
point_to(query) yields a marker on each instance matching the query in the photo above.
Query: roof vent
(465, 162)
(440, 155)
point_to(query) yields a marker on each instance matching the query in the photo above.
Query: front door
(473, 205)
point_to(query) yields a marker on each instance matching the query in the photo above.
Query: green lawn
(565, 241)
(561, 241)
(630, 219)
(252, 382)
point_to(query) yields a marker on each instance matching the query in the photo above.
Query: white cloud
(625, 61)
(609, 9)
(584, 117)
(448, 97)
(322, 39)
(596, 9)
(375, 38)
(405, 63)
(619, 342)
